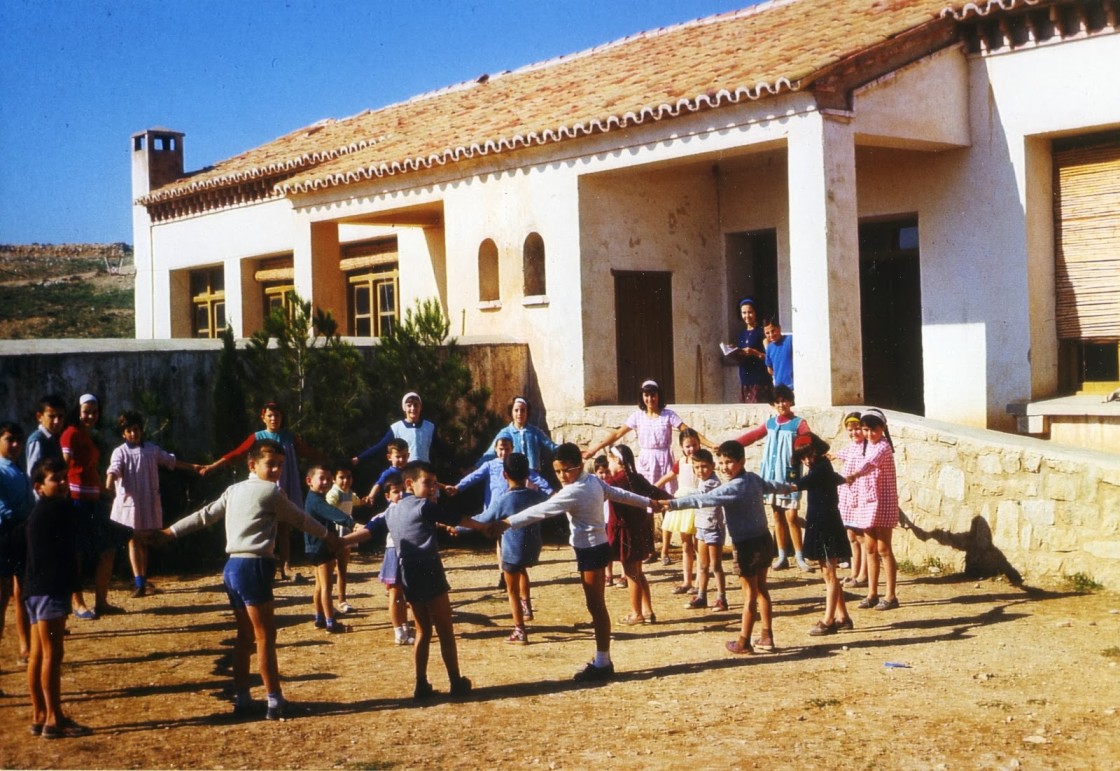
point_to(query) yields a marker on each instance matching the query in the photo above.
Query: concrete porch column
(318, 278)
(824, 261)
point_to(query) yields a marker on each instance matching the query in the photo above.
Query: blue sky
(78, 78)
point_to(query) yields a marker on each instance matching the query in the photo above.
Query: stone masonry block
(989, 463)
(1032, 462)
(1040, 513)
(1006, 530)
(950, 481)
(1108, 550)
(929, 502)
(1011, 461)
(1060, 487)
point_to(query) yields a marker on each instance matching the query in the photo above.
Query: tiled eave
(310, 182)
(329, 155)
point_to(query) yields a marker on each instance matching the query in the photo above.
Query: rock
(1035, 739)
(1063, 624)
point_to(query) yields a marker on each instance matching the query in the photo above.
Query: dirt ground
(997, 677)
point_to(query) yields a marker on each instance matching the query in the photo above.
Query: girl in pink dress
(876, 507)
(654, 424)
(851, 458)
(134, 473)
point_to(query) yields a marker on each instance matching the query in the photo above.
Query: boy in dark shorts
(50, 577)
(16, 500)
(319, 481)
(253, 511)
(581, 499)
(412, 522)
(520, 549)
(745, 513)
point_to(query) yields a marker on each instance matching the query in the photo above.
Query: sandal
(632, 620)
(855, 583)
(821, 629)
(682, 589)
(765, 642)
(733, 646)
(868, 602)
(885, 604)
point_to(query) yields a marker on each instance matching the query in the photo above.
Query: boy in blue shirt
(779, 354)
(319, 554)
(520, 549)
(16, 499)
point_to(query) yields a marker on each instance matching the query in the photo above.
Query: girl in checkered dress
(875, 509)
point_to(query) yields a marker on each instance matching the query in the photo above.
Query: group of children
(608, 512)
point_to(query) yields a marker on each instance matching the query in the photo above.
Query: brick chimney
(157, 158)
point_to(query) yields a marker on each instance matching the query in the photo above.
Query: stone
(950, 481)
(1039, 512)
(1109, 550)
(1060, 487)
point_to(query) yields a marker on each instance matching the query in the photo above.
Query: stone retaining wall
(980, 501)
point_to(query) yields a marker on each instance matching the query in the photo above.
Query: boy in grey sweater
(252, 510)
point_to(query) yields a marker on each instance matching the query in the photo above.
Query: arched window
(533, 265)
(488, 272)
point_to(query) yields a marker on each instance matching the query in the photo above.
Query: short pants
(713, 536)
(754, 554)
(46, 607)
(593, 557)
(248, 580)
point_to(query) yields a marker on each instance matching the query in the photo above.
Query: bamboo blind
(1087, 254)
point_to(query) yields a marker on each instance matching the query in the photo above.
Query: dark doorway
(643, 311)
(890, 285)
(752, 271)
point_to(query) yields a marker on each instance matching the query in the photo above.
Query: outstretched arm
(615, 435)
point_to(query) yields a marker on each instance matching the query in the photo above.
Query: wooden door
(643, 304)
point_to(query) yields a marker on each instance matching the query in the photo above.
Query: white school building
(926, 194)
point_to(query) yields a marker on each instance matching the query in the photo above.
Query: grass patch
(1082, 583)
(1111, 653)
(908, 567)
(1038, 702)
(822, 703)
(67, 309)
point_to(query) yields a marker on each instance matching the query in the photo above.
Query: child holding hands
(134, 474)
(741, 498)
(253, 511)
(318, 552)
(412, 522)
(711, 534)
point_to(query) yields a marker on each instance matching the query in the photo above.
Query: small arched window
(533, 265)
(488, 290)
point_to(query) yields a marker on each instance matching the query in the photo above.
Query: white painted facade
(961, 142)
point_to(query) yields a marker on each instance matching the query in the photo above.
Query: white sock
(602, 659)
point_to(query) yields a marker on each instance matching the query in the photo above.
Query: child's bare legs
(44, 672)
(9, 590)
(513, 589)
(834, 608)
(688, 552)
(526, 588)
(781, 534)
(750, 605)
(702, 577)
(398, 610)
(641, 604)
(342, 561)
(284, 548)
(261, 630)
(594, 584)
(101, 575)
(435, 614)
(138, 558)
(859, 556)
(715, 558)
(666, 540)
(873, 564)
(882, 541)
(323, 601)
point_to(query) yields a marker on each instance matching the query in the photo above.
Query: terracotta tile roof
(764, 50)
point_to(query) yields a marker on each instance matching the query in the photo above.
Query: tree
(299, 360)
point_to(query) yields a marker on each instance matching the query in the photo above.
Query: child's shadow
(981, 557)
